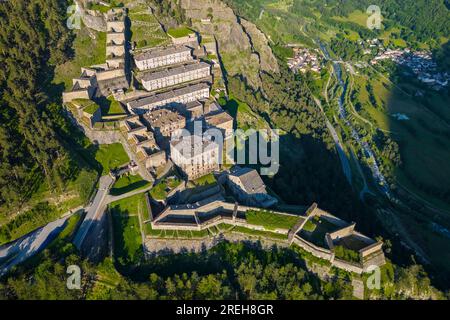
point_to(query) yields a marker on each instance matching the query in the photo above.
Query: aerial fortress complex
(142, 98)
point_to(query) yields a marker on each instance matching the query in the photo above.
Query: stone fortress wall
(373, 251)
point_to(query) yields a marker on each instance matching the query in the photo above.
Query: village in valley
(186, 191)
(305, 60)
(420, 63)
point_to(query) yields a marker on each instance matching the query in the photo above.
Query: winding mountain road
(95, 211)
(16, 252)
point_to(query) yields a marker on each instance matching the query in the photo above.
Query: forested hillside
(228, 271)
(411, 16)
(33, 134)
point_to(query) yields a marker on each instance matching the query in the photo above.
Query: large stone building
(164, 122)
(110, 77)
(83, 87)
(115, 20)
(222, 121)
(183, 95)
(195, 156)
(111, 80)
(161, 57)
(174, 76)
(194, 110)
(143, 143)
(248, 187)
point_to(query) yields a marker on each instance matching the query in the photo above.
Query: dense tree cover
(416, 20)
(167, 9)
(32, 219)
(442, 56)
(33, 36)
(228, 271)
(415, 15)
(345, 49)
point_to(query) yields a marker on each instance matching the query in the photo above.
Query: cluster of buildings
(176, 92)
(143, 143)
(305, 60)
(110, 77)
(421, 64)
(178, 86)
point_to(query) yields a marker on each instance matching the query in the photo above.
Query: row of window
(175, 79)
(189, 97)
(163, 61)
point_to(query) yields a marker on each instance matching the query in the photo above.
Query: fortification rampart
(371, 249)
(347, 265)
(73, 95)
(316, 251)
(341, 233)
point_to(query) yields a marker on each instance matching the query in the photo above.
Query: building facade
(222, 121)
(179, 96)
(248, 187)
(174, 76)
(195, 156)
(161, 57)
(164, 122)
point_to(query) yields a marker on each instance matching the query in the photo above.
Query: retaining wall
(341, 233)
(316, 251)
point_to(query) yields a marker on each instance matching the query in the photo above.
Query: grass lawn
(224, 227)
(132, 205)
(103, 9)
(149, 231)
(356, 16)
(88, 51)
(111, 156)
(160, 191)
(243, 114)
(146, 31)
(262, 234)
(111, 107)
(346, 254)
(175, 234)
(309, 226)
(128, 183)
(179, 32)
(271, 220)
(67, 233)
(87, 105)
(128, 249)
(200, 234)
(28, 221)
(206, 180)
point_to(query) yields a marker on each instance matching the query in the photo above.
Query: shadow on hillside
(127, 245)
(419, 122)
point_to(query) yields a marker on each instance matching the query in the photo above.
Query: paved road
(20, 250)
(368, 153)
(339, 146)
(94, 213)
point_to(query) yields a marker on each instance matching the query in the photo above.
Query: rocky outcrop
(261, 45)
(243, 50)
(90, 18)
